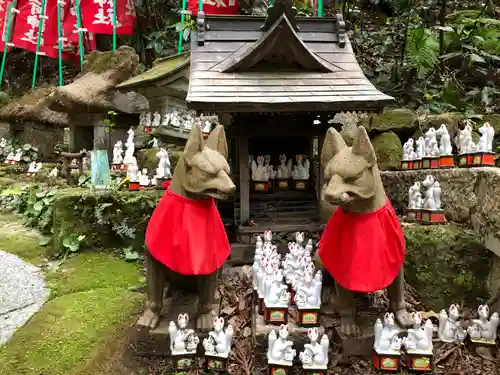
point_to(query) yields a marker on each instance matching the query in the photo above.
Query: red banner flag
(4, 20)
(97, 16)
(26, 30)
(227, 7)
(70, 30)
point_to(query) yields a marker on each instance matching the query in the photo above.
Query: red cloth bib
(363, 251)
(187, 235)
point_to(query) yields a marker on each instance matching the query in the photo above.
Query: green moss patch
(389, 150)
(117, 218)
(391, 119)
(446, 264)
(64, 335)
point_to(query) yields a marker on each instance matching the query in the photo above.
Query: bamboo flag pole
(80, 32)
(11, 9)
(320, 8)
(38, 41)
(200, 5)
(114, 25)
(181, 34)
(60, 40)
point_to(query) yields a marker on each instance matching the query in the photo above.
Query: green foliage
(11, 145)
(433, 57)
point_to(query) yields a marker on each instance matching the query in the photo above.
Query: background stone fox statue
(185, 234)
(362, 246)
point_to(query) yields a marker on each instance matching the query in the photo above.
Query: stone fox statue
(362, 246)
(185, 234)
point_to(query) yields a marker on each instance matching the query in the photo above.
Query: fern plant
(422, 50)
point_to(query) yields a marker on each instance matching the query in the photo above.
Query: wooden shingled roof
(279, 63)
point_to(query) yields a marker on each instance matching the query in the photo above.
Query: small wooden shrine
(275, 81)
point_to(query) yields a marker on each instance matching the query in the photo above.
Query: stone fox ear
(334, 143)
(217, 141)
(362, 146)
(194, 144)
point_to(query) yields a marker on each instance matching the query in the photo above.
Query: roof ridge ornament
(274, 12)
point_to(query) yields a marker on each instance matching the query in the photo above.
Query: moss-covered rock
(388, 149)
(147, 158)
(106, 220)
(398, 120)
(446, 264)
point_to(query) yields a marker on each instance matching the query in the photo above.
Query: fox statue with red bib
(185, 235)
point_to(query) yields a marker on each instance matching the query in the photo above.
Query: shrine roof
(162, 69)
(278, 63)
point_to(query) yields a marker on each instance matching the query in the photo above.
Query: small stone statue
(431, 144)
(54, 172)
(408, 150)
(419, 339)
(261, 173)
(465, 143)
(182, 340)
(282, 170)
(130, 145)
(156, 119)
(144, 178)
(315, 354)
(142, 118)
(3, 143)
(118, 153)
(147, 120)
(19, 155)
(276, 294)
(175, 120)
(188, 124)
(432, 194)
(386, 336)
(163, 170)
(219, 340)
(300, 172)
(166, 120)
(10, 157)
(415, 197)
(450, 327)
(486, 140)
(155, 143)
(269, 168)
(280, 350)
(309, 292)
(207, 126)
(32, 167)
(421, 152)
(133, 172)
(444, 140)
(482, 328)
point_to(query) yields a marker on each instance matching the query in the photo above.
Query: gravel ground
(22, 293)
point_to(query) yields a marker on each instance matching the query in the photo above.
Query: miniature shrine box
(314, 371)
(118, 167)
(276, 314)
(308, 317)
(275, 369)
(482, 159)
(446, 161)
(481, 343)
(386, 362)
(417, 361)
(413, 214)
(417, 164)
(406, 164)
(463, 160)
(134, 186)
(216, 363)
(282, 184)
(261, 186)
(300, 184)
(30, 174)
(183, 362)
(432, 217)
(430, 163)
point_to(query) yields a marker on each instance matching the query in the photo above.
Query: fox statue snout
(351, 173)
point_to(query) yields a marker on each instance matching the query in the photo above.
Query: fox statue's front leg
(207, 288)
(156, 277)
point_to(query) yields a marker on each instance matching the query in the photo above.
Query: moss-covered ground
(83, 325)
